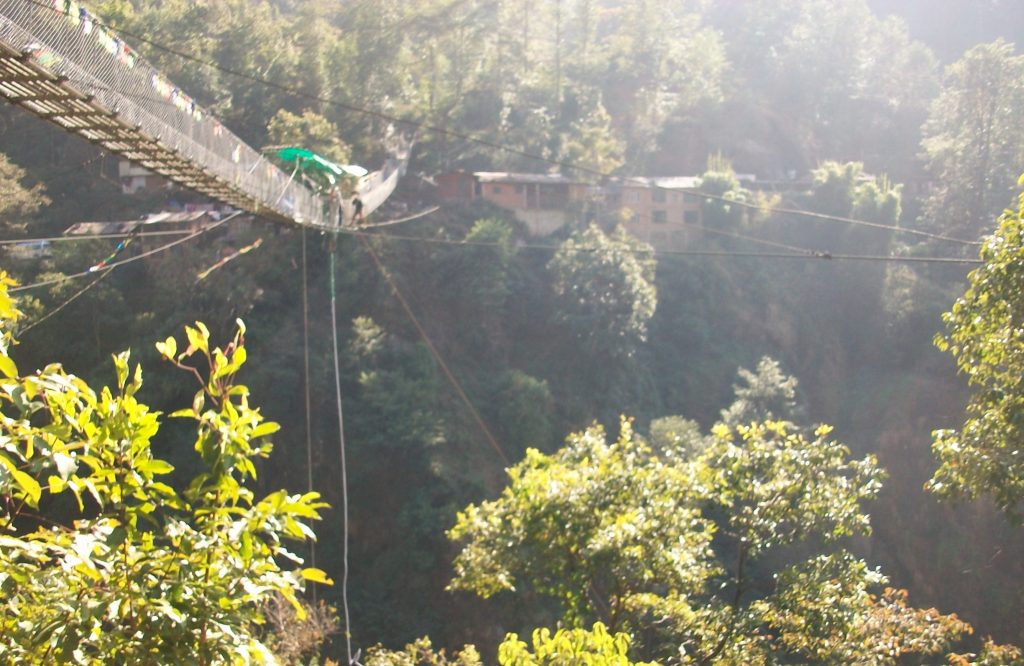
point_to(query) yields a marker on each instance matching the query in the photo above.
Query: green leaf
(121, 366)
(7, 366)
(155, 466)
(116, 537)
(301, 510)
(162, 488)
(168, 347)
(29, 486)
(245, 549)
(317, 576)
(198, 339)
(288, 593)
(238, 357)
(221, 365)
(265, 428)
(56, 484)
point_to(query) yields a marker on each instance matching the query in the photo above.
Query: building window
(658, 195)
(691, 217)
(659, 217)
(495, 189)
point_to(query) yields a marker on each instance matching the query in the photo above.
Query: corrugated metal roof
(127, 226)
(523, 178)
(99, 228)
(670, 182)
(179, 216)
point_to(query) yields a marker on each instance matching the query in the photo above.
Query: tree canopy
(145, 573)
(985, 334)
(821, 105)
(973, 142)
(605, 287)
(663, 546)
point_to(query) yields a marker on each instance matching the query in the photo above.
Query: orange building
(540, 200)
(662, 211)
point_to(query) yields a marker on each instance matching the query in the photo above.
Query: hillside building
(661, 211)
(664, 212)
(158, 228)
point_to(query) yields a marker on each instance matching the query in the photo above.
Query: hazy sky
(950, 27)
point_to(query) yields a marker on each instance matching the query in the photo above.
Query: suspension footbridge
(59, 62)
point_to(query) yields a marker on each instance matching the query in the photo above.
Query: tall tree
(308, 130)
(765, 395)
(18, 202)
(974, 140)
(814, 80)
(143, 572)
(605, 288)
(664, 546)
(985, 333)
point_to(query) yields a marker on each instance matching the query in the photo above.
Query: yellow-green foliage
(659, 544)
(986, 336)
(568, 647)
(147, 574)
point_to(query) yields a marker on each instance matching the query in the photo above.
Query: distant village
(663, 211)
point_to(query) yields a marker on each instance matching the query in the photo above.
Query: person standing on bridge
(357, 209)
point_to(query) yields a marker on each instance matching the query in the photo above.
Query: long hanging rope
(835, 218)
(401, 220)
(309, 418)
(93, 237)
(66, 303)
(814, 256)
(341, 452)
(430, 346)
(758, 241)
(795, 252)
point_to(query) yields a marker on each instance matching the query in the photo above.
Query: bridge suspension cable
(68, 67)
(116, 264)
(489, 143)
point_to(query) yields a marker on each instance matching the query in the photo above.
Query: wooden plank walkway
(58, 62)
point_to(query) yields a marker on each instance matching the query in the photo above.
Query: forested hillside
(620, 382)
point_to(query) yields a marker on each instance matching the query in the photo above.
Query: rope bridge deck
(59, 63)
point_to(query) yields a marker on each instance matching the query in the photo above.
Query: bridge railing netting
(66, 40)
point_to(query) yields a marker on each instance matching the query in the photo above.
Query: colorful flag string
(234, 255)
(113, 255)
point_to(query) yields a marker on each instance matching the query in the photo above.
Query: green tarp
(319, 170)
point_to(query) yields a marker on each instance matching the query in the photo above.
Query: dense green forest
(628, 413)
